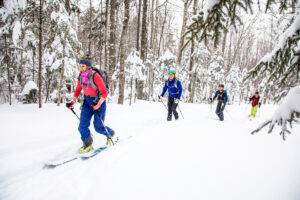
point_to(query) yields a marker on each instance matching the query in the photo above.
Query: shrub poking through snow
(29, 92)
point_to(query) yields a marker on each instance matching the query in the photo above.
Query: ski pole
(72, 109)
(163, 103)
(180, 111)
(108, 135)
(210, 101)
(228, 113)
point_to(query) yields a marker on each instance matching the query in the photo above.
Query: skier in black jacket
(221, 94)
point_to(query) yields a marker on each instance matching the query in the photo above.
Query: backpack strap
(175, 84)
(92, 83)
(80, 79)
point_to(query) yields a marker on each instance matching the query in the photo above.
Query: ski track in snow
(195, 158)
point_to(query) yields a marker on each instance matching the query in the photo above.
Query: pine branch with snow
(213, 20)
(287, 113)
(283, 63)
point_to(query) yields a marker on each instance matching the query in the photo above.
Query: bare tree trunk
(152, 25)
(192, 56)
(106, 36)
(224, 43)
(33, 62)
(138, 26)
(62, 71)
(68, 7)
(181, 39)
(90, 28)
(229, 48)
(101, 41)
(112, 39)
(271, 34)
(144, 42)
(48, 83)
(193, 87)
(131, 86)
(150, 71)
(162, 28)
(193, 77)
(191, 66)
(7, 58)
(21, 72)
(123, 50)
(155, 31)
(40, 53)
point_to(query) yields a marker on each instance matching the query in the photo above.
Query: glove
(210, 100)
(259, 104)
(222, 105)
(95, 106)
(160, 96)
(70, 104)
(176, 100)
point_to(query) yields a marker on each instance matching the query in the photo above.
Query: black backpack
(103, 75)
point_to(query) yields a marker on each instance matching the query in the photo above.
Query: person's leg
(85, 120)
(254, 110)
(99, 122)
(218, 108)
(170, 104)
(221, 115)
(174, 107)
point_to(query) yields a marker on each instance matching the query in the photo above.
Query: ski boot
(109, 141)
(87, 145)
(176, 116)
(169, 118)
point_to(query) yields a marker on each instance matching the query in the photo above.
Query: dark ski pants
(86, 115)
(220, 109)
(172, 106)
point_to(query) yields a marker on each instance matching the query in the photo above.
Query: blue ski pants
(86, 115)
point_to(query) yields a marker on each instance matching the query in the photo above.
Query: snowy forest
(193, 88)
(245, 45)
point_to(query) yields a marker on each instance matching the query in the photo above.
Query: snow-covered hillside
(195, 158)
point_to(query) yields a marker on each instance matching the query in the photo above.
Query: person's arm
(102, 89)
(215, 95)
(225, 97)
(179, 88)
(77, 90)
(164, 89)
(251, 99)
(259, 102)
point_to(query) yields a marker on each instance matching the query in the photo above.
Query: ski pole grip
(70, 104)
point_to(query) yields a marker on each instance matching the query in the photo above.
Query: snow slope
(195, 158)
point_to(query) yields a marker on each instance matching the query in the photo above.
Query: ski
(62, 161)
(58, 162)
(97, 150)
(93, 153)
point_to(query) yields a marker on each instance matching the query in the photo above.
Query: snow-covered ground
(195, 158)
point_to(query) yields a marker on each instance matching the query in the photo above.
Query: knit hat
(86, 59)
(172, 71)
